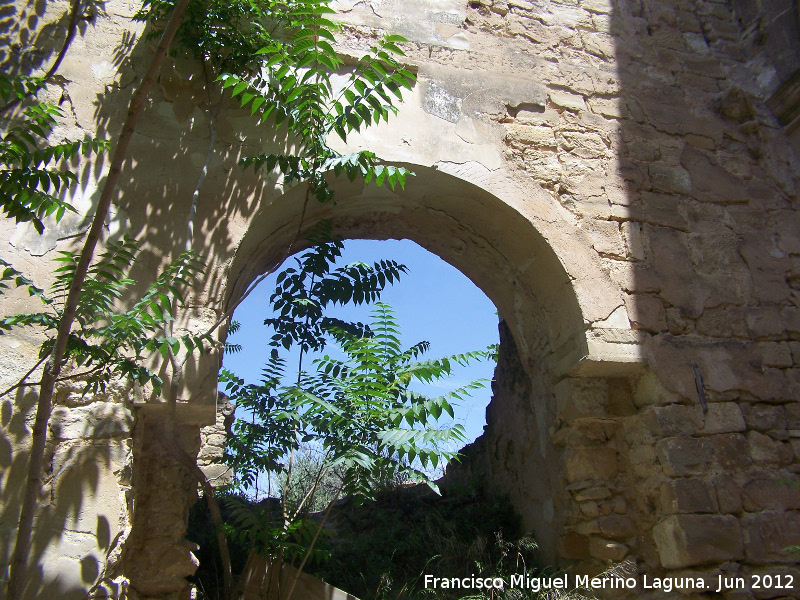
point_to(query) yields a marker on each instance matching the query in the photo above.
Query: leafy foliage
(363, 411)
(261, 527)
(32, 175)
(383, 549)
(304, 292)
(9, 275)
(360, 410)
(230, 348)
(110, 343)
(278, 59)
(357, 412)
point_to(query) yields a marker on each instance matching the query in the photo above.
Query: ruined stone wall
(694, 463)
(610, 173)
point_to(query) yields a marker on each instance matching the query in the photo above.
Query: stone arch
(564, 319)
(507, 236)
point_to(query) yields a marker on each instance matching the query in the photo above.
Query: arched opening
(494, 245)
(431, 301)
(556, 301)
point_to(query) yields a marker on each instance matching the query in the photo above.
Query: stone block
(74, 562)
(788, 224)
(88, 492)
(773, 385)
(729, 495)
(650, 390)
(593, 493)
(606, 237)
(598, 6)
(607, 550)
(762, 448)
(566, 100)
(791, 316)
(218, 475)
(685, 455)
(617, 527)
(619, 505)
(782, 493)
(674, 419)
(584, 145)
(731, 450)
(614, 108)
(785, 453)
(642, 454)
(723, 321)
(723, 417)
(689, 540)
(533, 135)
(577, 398)
(632, 234)
(765, 322)
(646, 312)
(216, 439)
(210, 453)
(763, 417)
(585, 432)
(673, 180)
(767, 535)
(543, 165)
(664, 210)
(711, 182)
(620, 398)
(793, 415)
(686, 291)
(588, 528)
(573, 546)
(776, 354)
(780, 435)
(795, 348)
(591, 463)
(769, 273)
(688, 496)
(590, 509)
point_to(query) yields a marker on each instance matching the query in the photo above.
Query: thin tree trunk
(313, 542)
(52, 369)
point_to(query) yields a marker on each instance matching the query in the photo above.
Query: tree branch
(72, 28)
(314, 541)
(52, 369)
(21, 382)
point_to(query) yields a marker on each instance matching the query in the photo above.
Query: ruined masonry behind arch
(620, 177)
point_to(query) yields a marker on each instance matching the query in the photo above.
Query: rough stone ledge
(607, 353)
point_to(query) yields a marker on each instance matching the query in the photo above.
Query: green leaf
(239, 88)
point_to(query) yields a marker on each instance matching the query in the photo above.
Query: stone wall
(212, 444)
(620, 178)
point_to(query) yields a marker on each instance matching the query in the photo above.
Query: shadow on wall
(695, 218)
(80, 520)
(710, 204)
(85, 509)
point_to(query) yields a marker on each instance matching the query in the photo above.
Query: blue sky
(433, 302)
